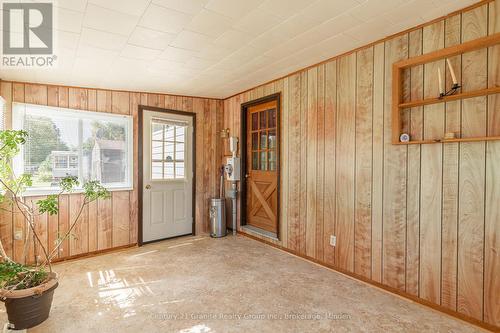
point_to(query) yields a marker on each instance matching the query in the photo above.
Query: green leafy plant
(17, 275)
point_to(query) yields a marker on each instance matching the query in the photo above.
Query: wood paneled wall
(112, 223)
(422, 219)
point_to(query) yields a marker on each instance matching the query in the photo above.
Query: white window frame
(18, 115)
(174, 142)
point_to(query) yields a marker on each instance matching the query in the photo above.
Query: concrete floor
(234, 284)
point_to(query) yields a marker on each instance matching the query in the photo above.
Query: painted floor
(233, 284)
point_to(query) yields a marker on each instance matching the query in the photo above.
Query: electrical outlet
(333, 240)
(18, 235)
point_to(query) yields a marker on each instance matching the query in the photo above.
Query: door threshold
(166, 238)
(254, 230)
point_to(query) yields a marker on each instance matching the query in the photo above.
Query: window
(3, 111)
(64, 142)
(167, 149)
(264, 140)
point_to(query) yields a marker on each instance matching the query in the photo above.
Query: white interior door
(167, 175)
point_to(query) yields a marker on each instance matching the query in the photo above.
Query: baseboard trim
(94, 253)
(395, 291)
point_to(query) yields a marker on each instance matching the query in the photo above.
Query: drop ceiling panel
(213, 47)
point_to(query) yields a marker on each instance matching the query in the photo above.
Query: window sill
(43, 192)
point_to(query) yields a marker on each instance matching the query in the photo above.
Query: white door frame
(140, 183)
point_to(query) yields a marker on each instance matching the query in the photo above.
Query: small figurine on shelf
(405, 137)
(450, 136)
(454, 87)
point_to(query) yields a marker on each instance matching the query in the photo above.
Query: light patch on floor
(232, 284)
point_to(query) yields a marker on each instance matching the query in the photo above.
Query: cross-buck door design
(262, 166)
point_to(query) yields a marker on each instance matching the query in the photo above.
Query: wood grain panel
(330, 162)
(363, 169)
(394, 186)
(311, 161)
(472, 172)
(431, 171)
(63, 226)
(378, 159)
(492, 212)
(121, 218)
(6, 228)
(320, 164)
(35, 94)
(79, 238)
(6, 93)
(77, 98)
(303, 161)
(105, 224)
(345, 157)
(294, 162)
(449, 229)
(414, 172)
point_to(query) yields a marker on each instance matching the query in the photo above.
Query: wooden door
(262, 166)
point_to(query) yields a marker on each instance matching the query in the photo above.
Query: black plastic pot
(30, 307)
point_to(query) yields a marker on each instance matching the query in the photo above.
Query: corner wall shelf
(397, 89)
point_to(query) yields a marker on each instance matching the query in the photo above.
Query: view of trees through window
(86, 147)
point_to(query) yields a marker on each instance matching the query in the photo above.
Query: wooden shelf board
(464, 95)
(475, 139)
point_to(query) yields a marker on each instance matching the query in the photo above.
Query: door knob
(247, 175)
(148, 187)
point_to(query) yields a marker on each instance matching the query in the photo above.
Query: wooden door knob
(148, 187)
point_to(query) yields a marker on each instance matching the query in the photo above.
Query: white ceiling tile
(209, 23)
(109, 20)
(294, 26)
(370, 31)
(284, 8)
(151, 38)
(132, 7)
(373, 8)
(257, 22)
(68, 20)
(189, 40)
(103, 40)
(214, 52)
(87, 51)
(164, 19)
(323, 10)
(185, 6)
(66, 40)
(221, 46)
(198, 63)
(268, 40)
(337, 25)
(401, 13)
(140, 53)
(233, 39)
(78, 5)
(176, 54)
(231, 8)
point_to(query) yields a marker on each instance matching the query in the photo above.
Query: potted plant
(27, 288)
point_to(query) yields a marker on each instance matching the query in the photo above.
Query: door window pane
(255, 141)
(157, 170)
(272, 118)
(272, 160)
(255, 121)
(168, 170)
(255, 160)
(263, 161)
(263, 140)
(262, 117)
(272, 139)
